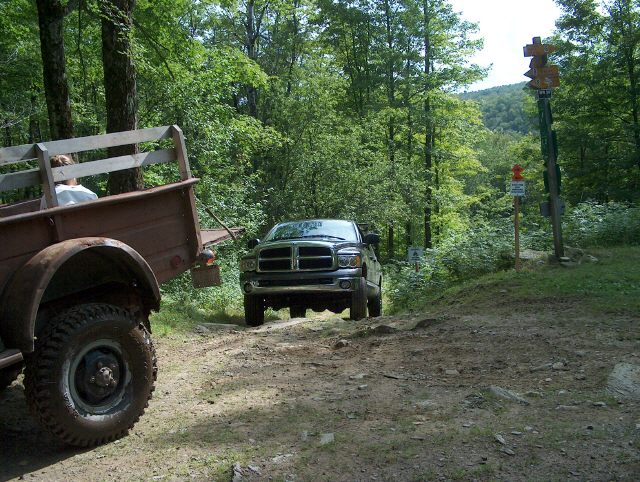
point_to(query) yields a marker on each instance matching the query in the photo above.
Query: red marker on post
(517, 191)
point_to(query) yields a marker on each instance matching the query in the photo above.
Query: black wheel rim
(97, 376)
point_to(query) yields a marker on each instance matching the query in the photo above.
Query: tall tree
(598, 103)
(120, 86)
(447, 45)
(51, 14)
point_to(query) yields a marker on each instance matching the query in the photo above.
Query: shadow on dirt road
(25, 446)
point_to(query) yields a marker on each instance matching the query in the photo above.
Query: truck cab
(313, 264)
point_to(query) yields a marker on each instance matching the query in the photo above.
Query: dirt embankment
(485, 393)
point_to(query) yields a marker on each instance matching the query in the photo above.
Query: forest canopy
(348, 108)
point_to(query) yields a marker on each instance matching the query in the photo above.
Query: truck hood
(336, 245)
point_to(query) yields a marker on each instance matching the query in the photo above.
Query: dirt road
(483, 392)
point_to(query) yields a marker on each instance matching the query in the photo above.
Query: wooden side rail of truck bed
(160, 223)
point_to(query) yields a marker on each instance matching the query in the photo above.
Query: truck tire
(375, 304)
(298, 311)
(359, 301)
(8, 375)
(91, 375)
(253, 310)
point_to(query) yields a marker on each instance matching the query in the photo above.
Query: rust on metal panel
(21, 207)
(22, 295)
(105, 201)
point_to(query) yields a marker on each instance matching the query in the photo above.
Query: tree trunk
(120, 86)
(253, 22)
(428, 129)
(391, 252)
(51, 15)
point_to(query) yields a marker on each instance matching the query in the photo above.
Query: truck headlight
(349, 260)
(248, 264)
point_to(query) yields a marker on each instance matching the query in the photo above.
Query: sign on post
(415, 254)
(534, 50)
(517, 189)
(544, 79)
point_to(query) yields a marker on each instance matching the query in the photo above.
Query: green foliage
(464, 255)
(598, 103)
(503, 108)
(592, 224)
(318, 108)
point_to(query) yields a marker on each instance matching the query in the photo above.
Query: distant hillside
(502, 107)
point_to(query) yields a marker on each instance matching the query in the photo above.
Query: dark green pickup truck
(316, 264)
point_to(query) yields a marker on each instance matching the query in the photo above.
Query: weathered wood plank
(10, 155)
(114, 164)
(48, 186)
(181, 150)
(18, 180)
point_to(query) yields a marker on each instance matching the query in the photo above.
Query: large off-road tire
(253, 310)
(375, 304)
(359, 301)
(91, 375)
(8, 375)
(297, 311)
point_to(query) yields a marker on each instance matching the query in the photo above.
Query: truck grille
(275, 259)
(296, 258)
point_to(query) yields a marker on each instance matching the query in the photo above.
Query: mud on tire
(375, 304)
(297, 311)
(91, 375)
(253, 310)
(359, 301)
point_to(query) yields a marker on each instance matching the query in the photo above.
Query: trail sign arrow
(544, 82)
(539, 61)
(549, 71)
(531, 50)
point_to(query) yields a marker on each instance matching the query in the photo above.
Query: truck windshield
(318, 228)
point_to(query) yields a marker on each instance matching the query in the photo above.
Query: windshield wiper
(323, 236)
(309, 236)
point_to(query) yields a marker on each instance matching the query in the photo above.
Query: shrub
(592, 224)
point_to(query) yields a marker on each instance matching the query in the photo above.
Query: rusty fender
(23, 294)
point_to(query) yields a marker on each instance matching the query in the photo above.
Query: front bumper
(343, 280)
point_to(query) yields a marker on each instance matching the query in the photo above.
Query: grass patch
(611, 285)
(179, 319)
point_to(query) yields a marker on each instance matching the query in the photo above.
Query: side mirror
(372, 238)
(253, 243)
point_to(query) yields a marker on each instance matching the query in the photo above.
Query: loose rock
(507, 394)
(327, 438)
(567, 408)
(237, 473)
(500, 439)
(427, 322)
(624, 381)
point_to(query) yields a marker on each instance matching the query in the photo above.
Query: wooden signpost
(544, 78)
(517, 191)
